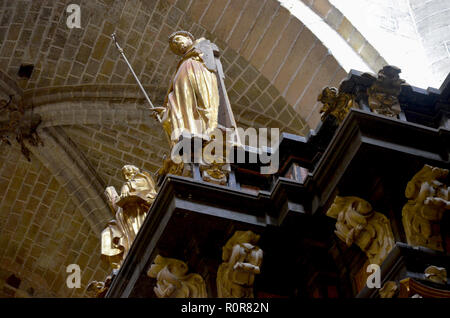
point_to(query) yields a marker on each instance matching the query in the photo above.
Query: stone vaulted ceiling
(95, 119)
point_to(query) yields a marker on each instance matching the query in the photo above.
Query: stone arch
(113, 104)
(336, 20)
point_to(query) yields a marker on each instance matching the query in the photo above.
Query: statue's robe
(193, 98)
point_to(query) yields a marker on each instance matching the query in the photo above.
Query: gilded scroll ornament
(358, 223)
(436, 274)
(172, 280)
(428, 198)
(241, 261)
(335, 103)
(383, 93)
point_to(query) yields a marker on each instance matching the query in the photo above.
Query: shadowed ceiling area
(94, 118)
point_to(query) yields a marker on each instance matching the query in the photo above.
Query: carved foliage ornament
(429, 198)
(241, 261)
(172, 280)
(358, 223)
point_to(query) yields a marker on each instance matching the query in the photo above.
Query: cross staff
(152, 108)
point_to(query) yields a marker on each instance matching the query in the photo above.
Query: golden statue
(130, 209)
(192, 101)
(242, 260)
(428, 198)
(358, 223)
(383, 93)
(335, 103)
(172, 281)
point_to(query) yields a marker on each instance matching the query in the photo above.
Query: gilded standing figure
(192, 101)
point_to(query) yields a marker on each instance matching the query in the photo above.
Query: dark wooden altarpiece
(368, 155)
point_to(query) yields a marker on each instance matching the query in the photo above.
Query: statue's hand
(157, 112)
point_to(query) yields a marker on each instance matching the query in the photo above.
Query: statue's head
(129, 171)
(180, 42)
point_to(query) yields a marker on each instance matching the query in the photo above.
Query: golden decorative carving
(171, 167)
(215, 172)
(335, 103)
(242, 260)
(428, 200)
(436, 274)
(358, 223)
(213, 166)
(130, 208)
(383, 94)
(389, 289)
(172, 280)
